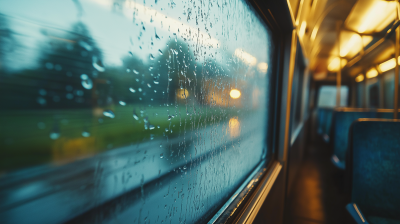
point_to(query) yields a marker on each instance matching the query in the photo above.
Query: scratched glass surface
(129, 111)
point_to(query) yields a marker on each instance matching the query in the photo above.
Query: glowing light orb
(235, 93)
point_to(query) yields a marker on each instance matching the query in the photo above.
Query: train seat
(324, 123)
(341, 124)
(320, 120)
(342, 120)
(373, 164)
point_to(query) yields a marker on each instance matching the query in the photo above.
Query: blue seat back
(385, 114)
(324, 123)
(374, 163)
(343, 118)
(342, 123)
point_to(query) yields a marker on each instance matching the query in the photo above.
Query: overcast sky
(113, 24)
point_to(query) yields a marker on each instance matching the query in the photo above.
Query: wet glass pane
(129, 111)
(297, 93)
(360, 94)
(388, 80)
(327, 96)
(372, 93)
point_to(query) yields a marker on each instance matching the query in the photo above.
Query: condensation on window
(129, 111)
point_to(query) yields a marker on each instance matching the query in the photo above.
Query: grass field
(34, 137)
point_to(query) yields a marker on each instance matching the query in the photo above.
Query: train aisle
(317, 194)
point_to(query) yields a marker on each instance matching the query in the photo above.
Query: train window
(157, 110)
(388, 82)
(298, 93)
(372, 93)
(388, 89)
(327, 96)
(360, 95)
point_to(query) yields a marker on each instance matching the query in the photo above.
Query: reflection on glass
(262, 67)
(158, 108)
(234, 127)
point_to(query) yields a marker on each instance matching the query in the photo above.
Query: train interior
(199, 111)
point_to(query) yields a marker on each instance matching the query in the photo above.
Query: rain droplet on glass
(69, 96)
(54, 135)
(109, 113)
(84, 77)
(85, 45)
(85, 134)
(87, 83)
(41, 101)
(42, 92)
(97, 64)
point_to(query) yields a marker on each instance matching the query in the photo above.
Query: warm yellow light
(366, 40)
(334, 64)
(344, 62)
(246, 57)
(387, 65)
(320, 75)
(389, 16)
(360, 78)
(234, 127)
(376, 14)
(182, 93)
(262, 67)
(314, 33)
(372, 73)
(351, 44)
(235, 93)
(302, 30)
